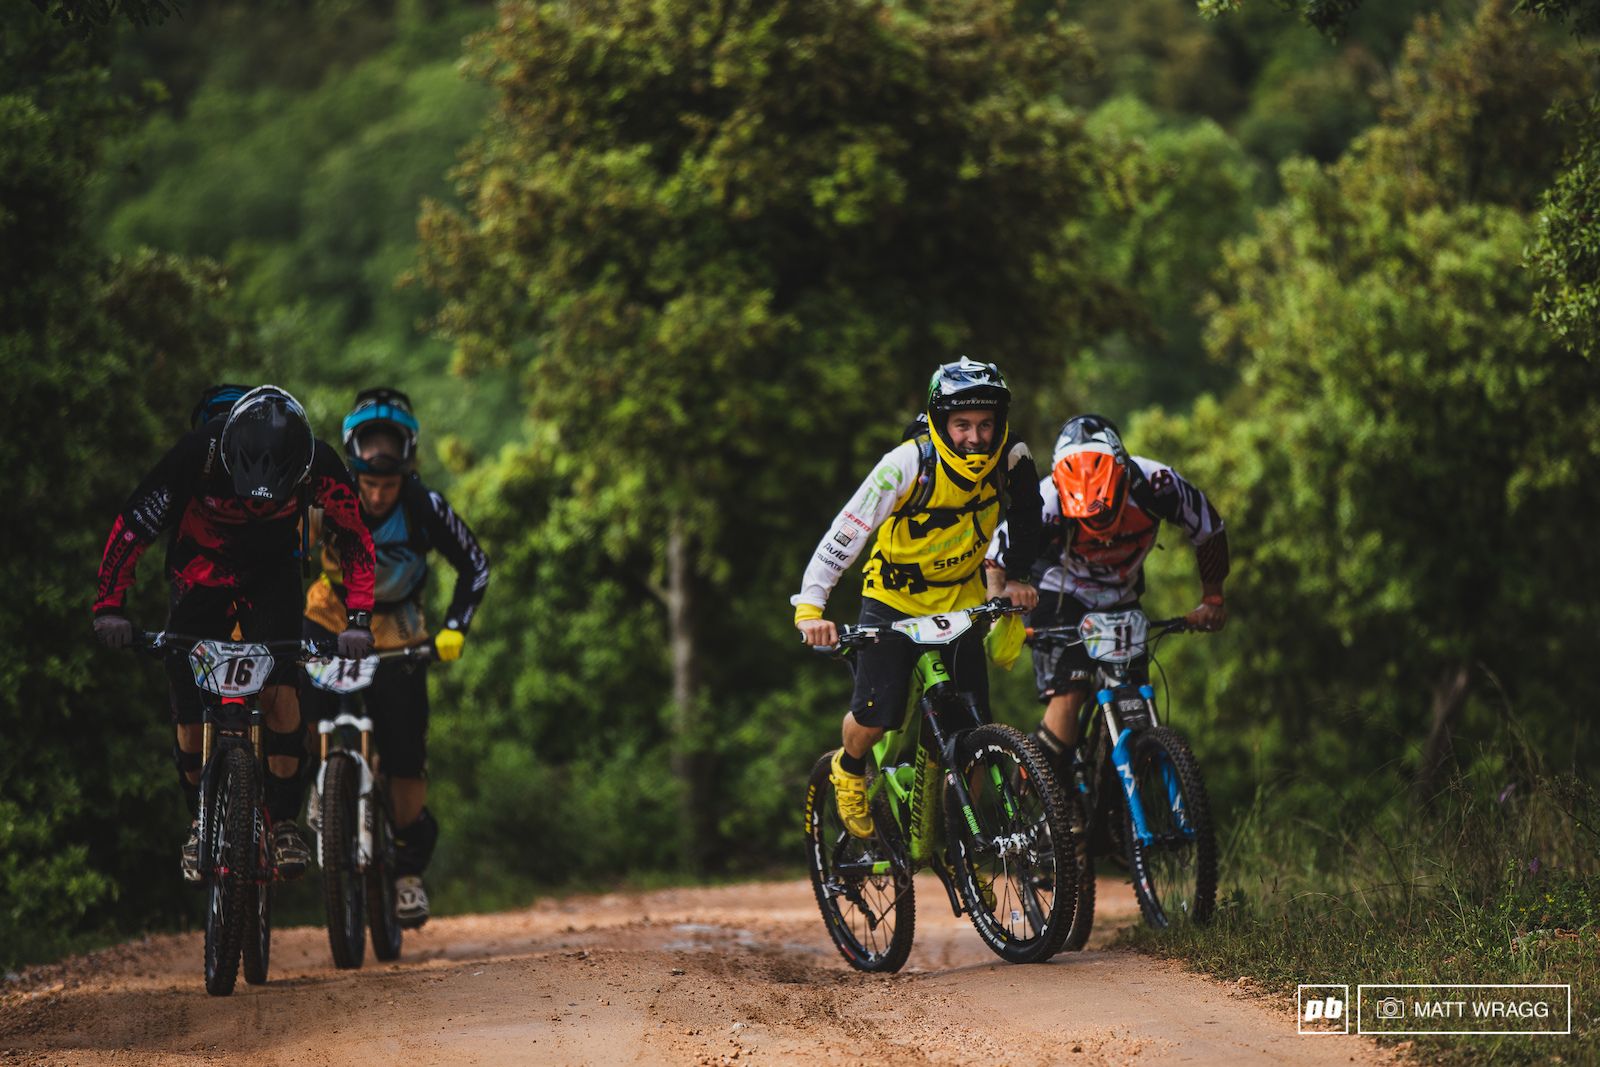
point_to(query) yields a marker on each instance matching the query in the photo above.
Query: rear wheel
(228, 862)
(1018, 873)
(1083, 916)
(343, 887)
(1174, 862)
(258, 905)
(386, 931)
(861, 885)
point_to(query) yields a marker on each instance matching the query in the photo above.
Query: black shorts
(883, 670)
(266, 607)
(397, 701)
(1062, 668)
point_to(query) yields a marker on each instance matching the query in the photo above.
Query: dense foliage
(691, 266)
(101, 356)
(1406, 452)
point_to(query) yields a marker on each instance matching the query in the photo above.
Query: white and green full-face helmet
(966, 383)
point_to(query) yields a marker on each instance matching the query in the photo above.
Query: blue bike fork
(1122, 758)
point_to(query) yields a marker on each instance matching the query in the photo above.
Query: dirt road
(734, 975)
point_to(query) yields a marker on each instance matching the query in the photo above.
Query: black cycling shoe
(289, 852)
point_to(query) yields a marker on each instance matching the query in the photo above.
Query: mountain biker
(935, 501)
(1102, 510)
(406, 520)
(235, 489)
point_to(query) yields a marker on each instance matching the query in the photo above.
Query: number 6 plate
(343, 675)
(1114, 637)
(936, 629)
(230, 670)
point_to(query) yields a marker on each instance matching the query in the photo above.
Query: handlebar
(1069, 635)
(851, 637)
(306, 651)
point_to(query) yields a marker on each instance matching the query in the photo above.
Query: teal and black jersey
(422, 522)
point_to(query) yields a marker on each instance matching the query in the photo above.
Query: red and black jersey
(218, 542)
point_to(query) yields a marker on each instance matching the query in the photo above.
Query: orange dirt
(733, 975)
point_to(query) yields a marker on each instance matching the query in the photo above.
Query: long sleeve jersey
(421, 521)
(1106, 573)
(218, 542)
(930, 561)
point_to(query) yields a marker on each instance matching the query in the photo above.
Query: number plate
(1114, 637)
(230, 670)
(936, 629)
(343, 675)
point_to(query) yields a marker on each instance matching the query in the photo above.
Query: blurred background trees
(683, 269)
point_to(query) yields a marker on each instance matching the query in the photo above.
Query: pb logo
(1324, 1009)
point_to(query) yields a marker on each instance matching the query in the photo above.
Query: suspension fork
(1122, 759)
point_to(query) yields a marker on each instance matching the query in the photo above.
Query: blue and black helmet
(387, 412)
(214, 402)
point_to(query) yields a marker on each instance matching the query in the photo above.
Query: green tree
(1405, 460)
(725, 244)
(102, 358)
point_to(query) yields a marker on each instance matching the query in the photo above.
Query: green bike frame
(913, 788)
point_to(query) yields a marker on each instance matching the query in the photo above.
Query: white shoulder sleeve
(891, 480)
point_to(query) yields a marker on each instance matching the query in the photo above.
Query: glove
(113, 631)
(448, 644)
(1004, 640)
(355, 643)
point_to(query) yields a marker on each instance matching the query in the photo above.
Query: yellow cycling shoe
(850, 791)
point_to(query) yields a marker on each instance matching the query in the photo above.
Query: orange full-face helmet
(1090, 471)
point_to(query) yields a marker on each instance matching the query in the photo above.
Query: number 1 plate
(230, 670)
(343, 675)
(936, 629)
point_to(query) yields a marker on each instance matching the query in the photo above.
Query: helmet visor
(1093, 486)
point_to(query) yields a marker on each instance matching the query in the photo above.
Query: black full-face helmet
(267, 445)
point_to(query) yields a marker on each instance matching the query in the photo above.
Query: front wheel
(1173, 856)
(258, 906)
(343, 888)
(228, 863)
(862, 885)
(1015, 859)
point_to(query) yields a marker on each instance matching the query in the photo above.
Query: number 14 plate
(343, 675)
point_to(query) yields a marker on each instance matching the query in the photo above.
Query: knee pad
(413, 846)
(188, 763)
(296, 743)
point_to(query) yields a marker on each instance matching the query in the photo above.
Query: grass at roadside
(1493, 884)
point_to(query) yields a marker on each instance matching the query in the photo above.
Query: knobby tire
(343, 888)
(1175, 878)
(386, 930)
(1083, 916)
(231, 813)
(258, 904)
(889, 897)
(1034, 882)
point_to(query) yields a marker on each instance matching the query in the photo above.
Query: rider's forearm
(847, 538)
(1024, 516)
(1212, 556)
(1210, 590)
